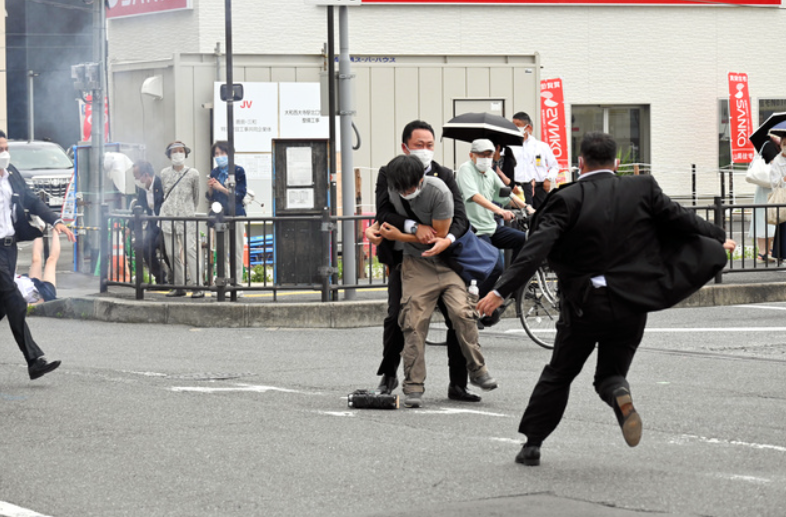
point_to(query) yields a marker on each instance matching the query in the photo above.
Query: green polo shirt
(471, 181)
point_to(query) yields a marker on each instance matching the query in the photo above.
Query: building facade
(655, 76)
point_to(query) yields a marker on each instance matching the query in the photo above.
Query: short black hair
(2, 134)
(220, 144)
(404, 172)
(523, 117)
(598, 150)
(144, 168)
(412, 126)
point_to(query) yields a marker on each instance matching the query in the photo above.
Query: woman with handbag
(778, 184)
(759, 174)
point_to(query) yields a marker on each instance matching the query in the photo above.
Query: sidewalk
(79, 298)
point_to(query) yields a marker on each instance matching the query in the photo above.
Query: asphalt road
(146, 420)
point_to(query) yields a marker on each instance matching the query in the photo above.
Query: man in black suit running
(620, 248)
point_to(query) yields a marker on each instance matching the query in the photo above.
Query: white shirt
(27, 288)
(534, 160)
(6, 193)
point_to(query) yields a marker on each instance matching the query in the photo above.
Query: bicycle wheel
(547, 279)
(538, 312)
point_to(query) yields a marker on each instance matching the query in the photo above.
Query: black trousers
(13, 305)
(617, 337)
(393, 338)
(538, 196)
(149, 246)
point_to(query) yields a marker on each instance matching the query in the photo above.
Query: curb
(320, 315)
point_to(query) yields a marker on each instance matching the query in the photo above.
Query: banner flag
(742, 150)
(553, 124)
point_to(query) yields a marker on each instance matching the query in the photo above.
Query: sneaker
(414, 400)
(485, 382)
(628, 418)
(175, 293)
(198, 294)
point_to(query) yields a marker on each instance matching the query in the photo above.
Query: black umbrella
(471, 126)
(761, 135)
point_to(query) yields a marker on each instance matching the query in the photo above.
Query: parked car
(46, 167)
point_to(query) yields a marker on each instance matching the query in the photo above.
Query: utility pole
(347, 174)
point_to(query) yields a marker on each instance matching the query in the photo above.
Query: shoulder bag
(776, 214)
(758, 172)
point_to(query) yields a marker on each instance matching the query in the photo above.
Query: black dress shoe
(529, 455)
(460, 393)
(387, 384)
(41, 367)
(628, 418)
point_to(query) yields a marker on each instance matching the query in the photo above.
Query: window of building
(629, 125)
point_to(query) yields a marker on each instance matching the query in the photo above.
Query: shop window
(629, 125)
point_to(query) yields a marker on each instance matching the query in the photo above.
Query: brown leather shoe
(628, 418)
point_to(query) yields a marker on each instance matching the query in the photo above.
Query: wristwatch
(414, 229)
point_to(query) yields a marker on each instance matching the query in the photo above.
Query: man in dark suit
(620, 248)
(417, 140)
(150, 195)
(16, 201)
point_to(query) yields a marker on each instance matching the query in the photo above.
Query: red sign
(742, 150)
(86, 118)
(124, 8)
(552, 121)
(626, 3)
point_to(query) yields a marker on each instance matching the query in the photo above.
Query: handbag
(776, 214)
(758, 172)
(471, 257)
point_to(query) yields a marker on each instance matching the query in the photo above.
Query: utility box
(300, 188)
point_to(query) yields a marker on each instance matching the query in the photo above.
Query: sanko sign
(123, 8)
(626, 3)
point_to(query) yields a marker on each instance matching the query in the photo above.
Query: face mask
(140, 184)
(483, 164)
(424, 155)
(410, 197)
(178, 158)
(523, 130)
(5, 159)
(222, 161)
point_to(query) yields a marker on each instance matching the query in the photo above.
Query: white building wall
(674, 59)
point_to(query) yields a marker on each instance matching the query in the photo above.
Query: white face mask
(5, 159)
(483, 164)
(410, 197)
(140, 184)
(424, 155)
(178, 158)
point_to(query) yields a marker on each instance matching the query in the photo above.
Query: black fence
(124, 239)
(267, 251)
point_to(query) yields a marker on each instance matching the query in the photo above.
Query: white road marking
(649, 330)
(237, 388)
(10, 510)
(749, 479)
(454, 411)
(505, 440)
(769, 307)
(337, 413)
(717, 441)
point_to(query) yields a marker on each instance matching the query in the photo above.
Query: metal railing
(123, 238)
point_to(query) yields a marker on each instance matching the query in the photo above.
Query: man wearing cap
(181, 196)
(536, 167)
(480, 190)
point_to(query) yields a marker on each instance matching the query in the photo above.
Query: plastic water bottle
(473, 291)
